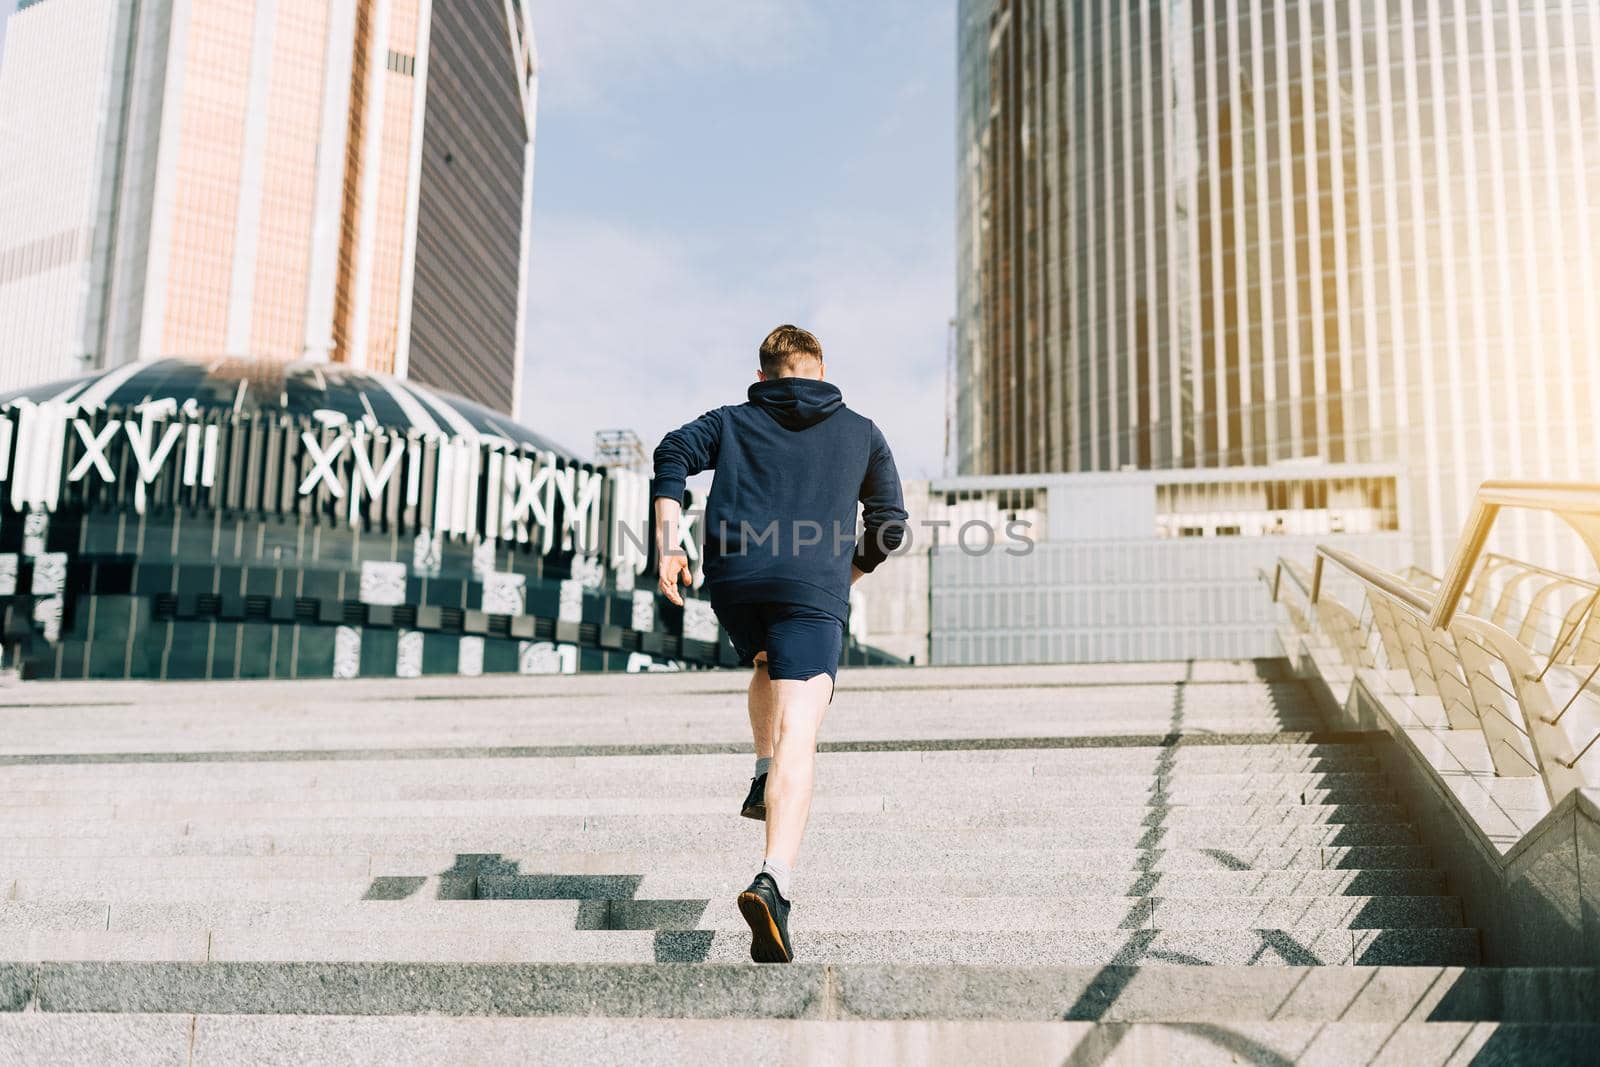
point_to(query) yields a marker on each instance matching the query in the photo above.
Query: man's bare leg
(799, 709)
(763, 703)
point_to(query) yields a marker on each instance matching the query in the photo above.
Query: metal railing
(1501, 646)
(1557, 610)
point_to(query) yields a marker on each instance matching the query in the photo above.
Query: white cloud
(588, 47)
(626, 331)
(632, 329)
(879, 318)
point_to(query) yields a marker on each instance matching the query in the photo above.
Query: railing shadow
(1102, 1042)
(1108, 984)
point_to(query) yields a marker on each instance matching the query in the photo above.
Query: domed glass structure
(331, 393)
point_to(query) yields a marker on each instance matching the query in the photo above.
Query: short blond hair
(786, 346)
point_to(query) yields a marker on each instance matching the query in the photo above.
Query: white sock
(763, 764)
(780, 875)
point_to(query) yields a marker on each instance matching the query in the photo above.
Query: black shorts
(800, 642)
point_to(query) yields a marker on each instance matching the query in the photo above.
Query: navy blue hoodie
(791, 465)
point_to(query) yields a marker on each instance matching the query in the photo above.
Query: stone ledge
(138, 1040)
(800, 991)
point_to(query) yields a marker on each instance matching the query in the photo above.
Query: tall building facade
(1258, 232)
(345, 180)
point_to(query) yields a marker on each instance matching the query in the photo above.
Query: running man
(781, 554)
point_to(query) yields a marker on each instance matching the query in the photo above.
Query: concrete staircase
(1082, 864)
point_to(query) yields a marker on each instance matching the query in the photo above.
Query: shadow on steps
(605, 901)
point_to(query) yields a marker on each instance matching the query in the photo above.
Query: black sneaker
(764, 908)
(755, 804)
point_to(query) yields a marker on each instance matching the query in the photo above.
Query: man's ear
(761, 375)
(822, 371)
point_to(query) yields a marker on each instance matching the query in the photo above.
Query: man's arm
(683, 453)
(883, 510)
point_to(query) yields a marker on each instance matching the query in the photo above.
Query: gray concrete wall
(1120, 599)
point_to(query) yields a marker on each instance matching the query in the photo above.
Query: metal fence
(1497, 645)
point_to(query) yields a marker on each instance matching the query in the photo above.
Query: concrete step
(867, 914)
(643, 755)
(98, 837)
(1153, 825)
(175, 886)
(969, 793)
(421, 854)
(1229, 994)
(217, 744)
(1189, 673)
(238, 869)
(58, 1040)
(525, 835)
(535, 783)
(424, 768)
(331, 729)
(186, 878)
(921, 686)
(531, 779)
(403, 945)
(827, 810)
(33, 821)
(627, 833)
(554, 705)
(1095, 753)
(933, 879)
(1053, 861)
(38, 944)
(1083, 831)
(1037, 811)
(1132, 706)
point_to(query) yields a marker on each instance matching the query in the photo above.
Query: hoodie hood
(797, 403)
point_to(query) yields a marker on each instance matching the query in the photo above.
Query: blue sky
(707, 169)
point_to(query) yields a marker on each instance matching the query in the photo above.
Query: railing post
(1459, 573)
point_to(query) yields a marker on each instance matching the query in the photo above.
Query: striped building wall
(469, 281)
(1243, 232)
(60, 127)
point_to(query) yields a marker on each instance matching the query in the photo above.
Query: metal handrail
(1561, 498)
(1391, 585)
(1285, 565)
(1443, 648)
(1509, 601)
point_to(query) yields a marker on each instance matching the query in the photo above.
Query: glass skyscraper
(335, 179)
(1259, 232)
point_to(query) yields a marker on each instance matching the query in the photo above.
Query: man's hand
(672, 566)
(674, 569)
